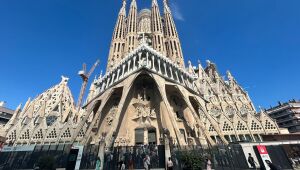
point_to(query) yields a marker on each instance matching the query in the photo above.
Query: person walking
(123, 166)
(208, 164)
(170, 164)
(147, 162)
(251, 161)
(98, 163)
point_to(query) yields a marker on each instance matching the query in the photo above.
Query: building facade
(287, 115)
(5, 114)
(146, 97)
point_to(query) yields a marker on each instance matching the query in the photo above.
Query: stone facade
(147, 96)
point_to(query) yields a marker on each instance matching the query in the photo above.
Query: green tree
(191, 160)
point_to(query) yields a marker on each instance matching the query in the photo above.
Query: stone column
(123, 70)
(146, 139)
(159, 69)
(118, 74)
(182, 78)
(171, 71)
(147, 59)
(177, 77)
(134, 63)
(153, 66)
(230, 138)
(165, 66)
(113, 78)
(128, 70)
(167, 149)
(140, 60)
(107, 82)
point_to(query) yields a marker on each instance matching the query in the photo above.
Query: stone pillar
(182, 78)
(107, 82)
(134, 63)
(230, 138)
(165, 66)
(153, 66)
(167, 149)
(123, 69)
(140, 60)
(118, 74)
(147, 59)
(176, 73)
(128, 69)
(146, 139)
(171, 71)
(159, 69)
(113, 78)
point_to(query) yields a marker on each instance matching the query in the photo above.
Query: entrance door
(139, 136)
(72, 159)
(152, 136)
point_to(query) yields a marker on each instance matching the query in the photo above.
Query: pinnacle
(154, 3)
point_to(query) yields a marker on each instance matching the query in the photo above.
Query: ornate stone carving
(144, 114)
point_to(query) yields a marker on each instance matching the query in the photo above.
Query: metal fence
(222, 157)
(133, 157)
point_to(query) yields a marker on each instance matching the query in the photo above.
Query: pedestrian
(251, 161)
(208, 164)
(170, 164)
(123, 167)
(147, 162)
(98, 163)
(130, 163)
(272, 166)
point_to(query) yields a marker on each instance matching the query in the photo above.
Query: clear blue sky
(258, 40)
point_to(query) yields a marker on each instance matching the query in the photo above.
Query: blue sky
(257, 40)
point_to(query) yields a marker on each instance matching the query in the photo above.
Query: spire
(200, 70)
(173, 46)
(154, 3)
(118, 39)
(123, 9)
(229, 76)
(15, 115)
(131, 38)
(158, 41)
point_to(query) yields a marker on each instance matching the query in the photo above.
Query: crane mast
(85, 77)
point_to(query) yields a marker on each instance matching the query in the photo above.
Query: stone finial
(19, 107)
(208, 62)
(64, 79)
(199, 65)
(229, 76)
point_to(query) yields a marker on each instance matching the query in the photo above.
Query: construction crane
(85, 77)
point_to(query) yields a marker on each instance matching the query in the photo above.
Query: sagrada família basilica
(147, 95)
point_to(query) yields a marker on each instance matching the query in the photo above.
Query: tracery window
(230, 110)
(215, 111)
(245, 110)
(50, 120)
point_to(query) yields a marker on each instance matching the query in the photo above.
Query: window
(152, 136)
(50, 120)
(182, 132)
(139, 136)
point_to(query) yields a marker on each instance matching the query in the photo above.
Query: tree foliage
(192, 160)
